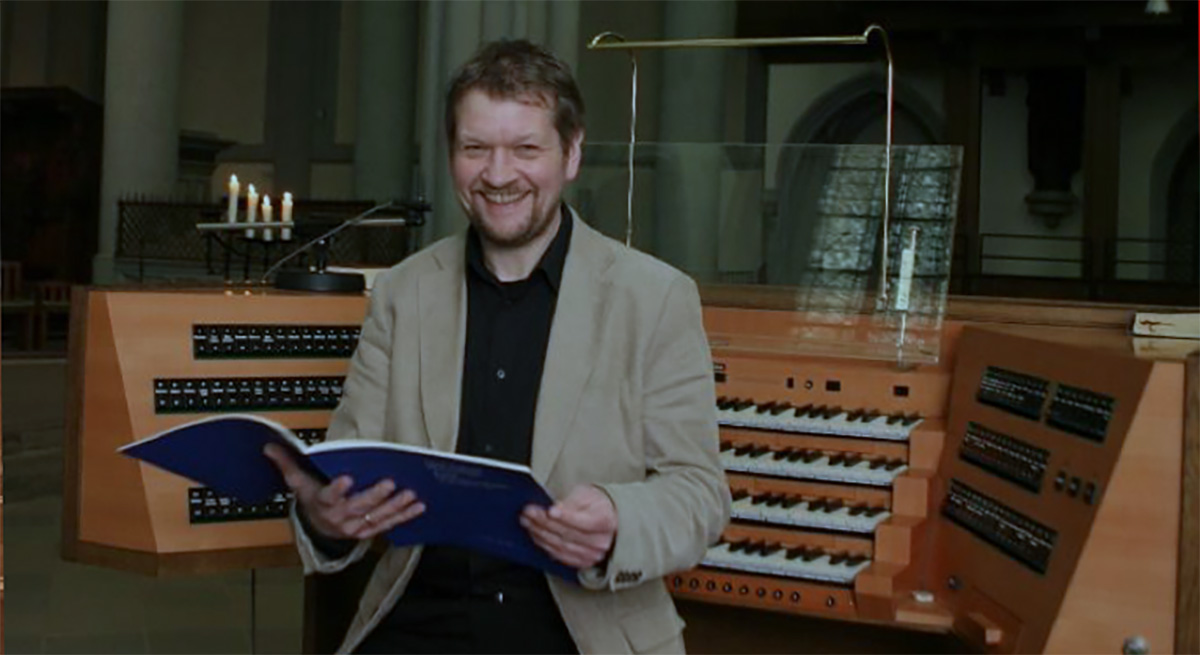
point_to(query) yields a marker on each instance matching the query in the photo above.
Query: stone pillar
(453, 32)
(387, 85)
(562, 36)
(692, 111)
(141, 114)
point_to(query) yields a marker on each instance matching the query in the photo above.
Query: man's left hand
(578, 530)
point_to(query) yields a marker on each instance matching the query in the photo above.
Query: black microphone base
(323, 282)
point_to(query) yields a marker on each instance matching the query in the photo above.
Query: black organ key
(855, 560)
(739, 494)
(802, 411)
(838, 558)
(834, 460)
(764, 408)
(786, 453)
(739, 405)
(741, 451)
(894, 464)
(831, 412)
(780, 408)
(833, 506)
(726, 445)
(910, 419)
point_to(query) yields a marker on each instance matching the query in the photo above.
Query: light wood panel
(125, 514)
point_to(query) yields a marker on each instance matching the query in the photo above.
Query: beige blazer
(626, 403)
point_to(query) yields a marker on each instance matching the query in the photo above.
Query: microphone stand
(321, 280)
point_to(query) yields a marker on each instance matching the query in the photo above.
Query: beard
(527, 229)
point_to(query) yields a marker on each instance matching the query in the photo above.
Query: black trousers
(499, 623)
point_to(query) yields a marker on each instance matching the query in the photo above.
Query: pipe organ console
(1023, 493)
(145, 360)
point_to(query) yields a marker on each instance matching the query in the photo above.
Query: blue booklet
(469, 501)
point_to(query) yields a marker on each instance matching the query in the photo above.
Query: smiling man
(532, 339)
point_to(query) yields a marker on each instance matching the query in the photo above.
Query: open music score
(145, 360)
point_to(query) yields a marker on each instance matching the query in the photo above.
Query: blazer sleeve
(360, 414)
(666, 522)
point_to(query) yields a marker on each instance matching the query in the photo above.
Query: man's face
(510, 167)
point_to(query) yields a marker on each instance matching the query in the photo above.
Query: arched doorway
(809, 217)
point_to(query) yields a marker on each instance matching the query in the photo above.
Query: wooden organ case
(1026, 493)
(143, 360)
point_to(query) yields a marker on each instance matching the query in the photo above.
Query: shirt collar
(552, 261)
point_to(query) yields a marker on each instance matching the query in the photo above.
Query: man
(533, 339)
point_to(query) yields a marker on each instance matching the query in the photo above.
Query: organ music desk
(1033, 490)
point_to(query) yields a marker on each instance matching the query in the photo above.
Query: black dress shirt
(458, 600)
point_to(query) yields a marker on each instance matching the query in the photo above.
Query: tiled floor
(52, 606)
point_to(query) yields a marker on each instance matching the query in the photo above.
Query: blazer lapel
(442, 298)
(578, 316)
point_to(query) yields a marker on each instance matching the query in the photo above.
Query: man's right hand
(335, 515)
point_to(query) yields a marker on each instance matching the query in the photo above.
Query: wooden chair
(52, 297)
(16, 303)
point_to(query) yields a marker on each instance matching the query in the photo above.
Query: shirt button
(500, 373)
(500, 597)
(488, 448)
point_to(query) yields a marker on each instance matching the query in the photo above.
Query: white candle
(267, 236)
(234, 189)
(251, 209)
(285, 215)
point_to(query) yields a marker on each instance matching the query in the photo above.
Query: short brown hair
(509, 69)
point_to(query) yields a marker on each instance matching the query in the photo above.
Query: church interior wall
(223, 76)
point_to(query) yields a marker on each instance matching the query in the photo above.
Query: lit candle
(285, 215)
(251, 209)
(266, 217)
(234, 189)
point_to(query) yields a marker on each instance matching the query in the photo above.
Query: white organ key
(783, 417)
(810, 564)
(762, 460)
(825, 514)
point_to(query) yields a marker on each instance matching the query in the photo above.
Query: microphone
(325, 281)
